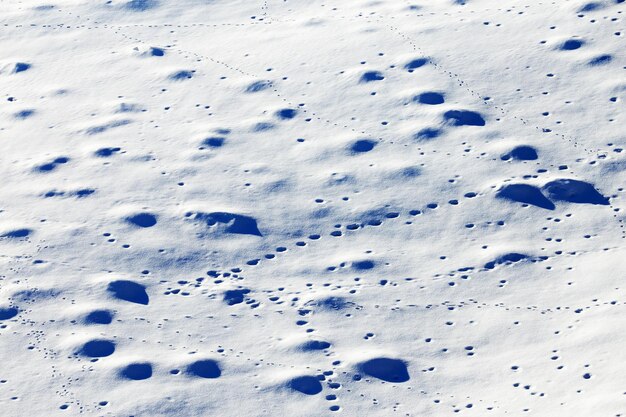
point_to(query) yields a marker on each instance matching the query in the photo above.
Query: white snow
(312, 208)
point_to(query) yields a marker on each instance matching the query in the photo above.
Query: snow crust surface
(312, 208)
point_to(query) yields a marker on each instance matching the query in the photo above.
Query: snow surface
(312, 208)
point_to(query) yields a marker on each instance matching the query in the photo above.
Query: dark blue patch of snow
(362, 145)
(521, 153)
(601, 60)
(206, 368)
(506, 259)
(386, 369)
(432, 98)
(363, 265)
(21, 67)
(308, 385)
(129, 291)
(313, 345)
(525, 193)
(99, 317)
(571, 44)
(370, 76)
(416, 63)
(427, 134)
(463, 118)
(106, 152)
(7, 313)
(574, 191)
(137, 371)
(142, 220)
(214, 142)
(258, 86)
(236, 223)
(232, 297)
(181, 75)
(286, 114)
(97, 348)
(24, 114)
(17, 233)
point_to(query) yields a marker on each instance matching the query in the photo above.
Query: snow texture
(312, 208)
